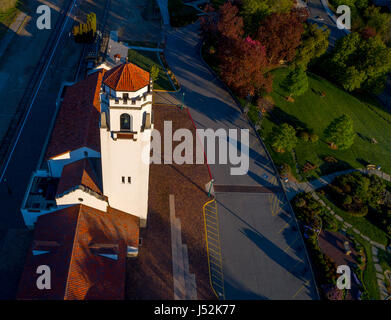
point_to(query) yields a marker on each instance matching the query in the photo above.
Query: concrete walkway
(184, 282)
(163, 6)
(292, 188)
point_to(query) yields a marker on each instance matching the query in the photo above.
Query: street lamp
(7, 186)
(210, 187)
(183, 100)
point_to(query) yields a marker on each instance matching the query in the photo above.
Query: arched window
(126, 122)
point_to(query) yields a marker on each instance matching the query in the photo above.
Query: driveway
(263, 254)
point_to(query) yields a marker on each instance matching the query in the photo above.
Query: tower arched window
(126, 122)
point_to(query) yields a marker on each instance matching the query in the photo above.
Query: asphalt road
(317, 10)
(263, 253)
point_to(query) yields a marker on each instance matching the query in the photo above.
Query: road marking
(286, 225)
(213, 249)
(290, 246)
(301, 288)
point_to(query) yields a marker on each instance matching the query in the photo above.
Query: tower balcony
(129, 135)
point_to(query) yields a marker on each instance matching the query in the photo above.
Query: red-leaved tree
(281, 35)
(243, 64)
(230, 24)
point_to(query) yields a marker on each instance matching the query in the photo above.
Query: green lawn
(145, 60)
(311, 111)
(369, 277)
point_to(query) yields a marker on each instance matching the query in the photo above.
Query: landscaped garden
(313, 219)
(313, 112)
(146, 60)
(363, 202)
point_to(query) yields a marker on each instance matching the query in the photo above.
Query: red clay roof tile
(77, 271)
(126, 77)
(78, 173)
(77, 123)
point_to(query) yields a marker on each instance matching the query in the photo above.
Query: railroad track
(18, 121)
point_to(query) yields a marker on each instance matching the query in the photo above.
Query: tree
(358, 63)
(281, 34)
(284, 138)
(296, 82)
(243, 65)
(314, 43)
(154, 72)
(379, 21)
(85, 32)
(254, 11)
(230, 24)
(340, 132)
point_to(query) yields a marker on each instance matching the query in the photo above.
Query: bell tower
(125, 131)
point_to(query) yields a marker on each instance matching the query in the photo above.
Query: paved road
(317, 9)
(263, 253)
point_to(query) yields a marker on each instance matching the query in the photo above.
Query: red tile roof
(77, 123)
(77, 271)
(79, 173)
(126, 77)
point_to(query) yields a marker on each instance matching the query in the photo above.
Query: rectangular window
(123, 179)
(129, 180)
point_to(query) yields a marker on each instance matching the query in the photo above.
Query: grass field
(369, 277)
(313, 112)
(145, 60)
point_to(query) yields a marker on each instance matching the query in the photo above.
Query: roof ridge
(124, 69)
(99, 80)
(73, 248)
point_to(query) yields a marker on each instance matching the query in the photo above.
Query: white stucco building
(94, 155)
(125, 130)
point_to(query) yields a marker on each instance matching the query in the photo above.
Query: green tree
(254, 11)
(154, 72)
(283, 138)
(341, 132)
(360, 63)
(315, 42)
(296, 82)
(379, 21)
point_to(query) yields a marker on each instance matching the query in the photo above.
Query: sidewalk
(292, 188)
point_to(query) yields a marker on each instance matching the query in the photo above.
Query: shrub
(285, 169)
(300, 202)
(347, 200)
(313, 137)
(304, 136)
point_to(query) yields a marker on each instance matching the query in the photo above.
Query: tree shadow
(279, 116)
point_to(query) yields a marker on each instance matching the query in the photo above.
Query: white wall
(123, 158)
(88, 200)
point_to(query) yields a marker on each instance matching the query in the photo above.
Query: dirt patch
(149, 276)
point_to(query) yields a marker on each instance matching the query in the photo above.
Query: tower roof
(126, 77)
